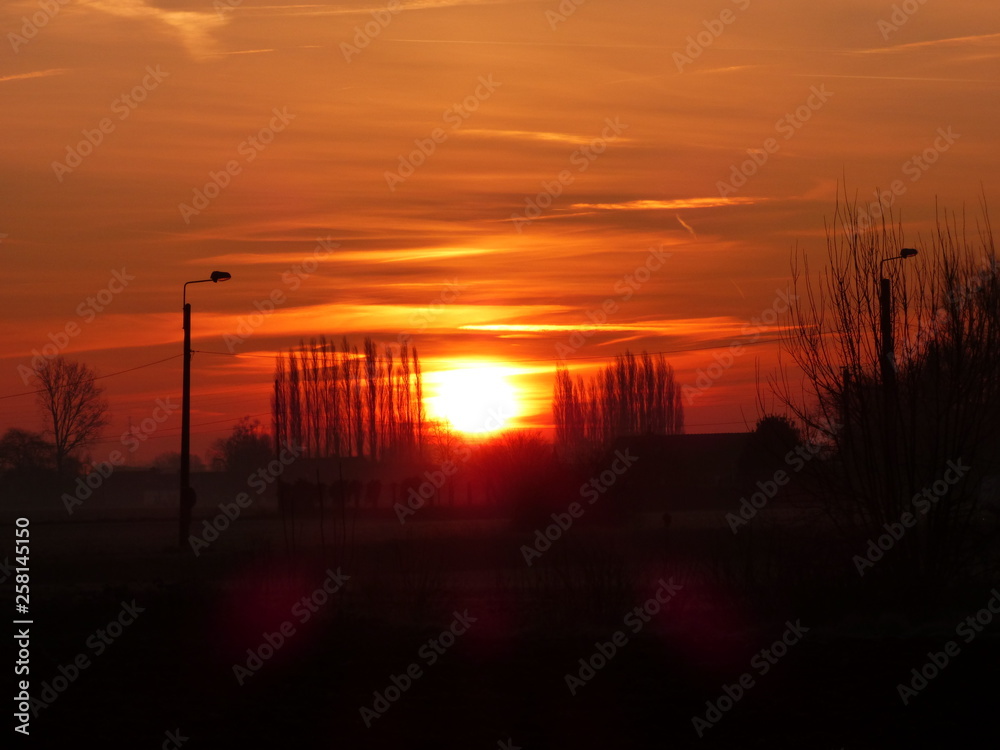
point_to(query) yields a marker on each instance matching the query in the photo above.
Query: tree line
(635, 395)
(346, 402)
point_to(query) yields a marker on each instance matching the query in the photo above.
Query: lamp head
(218, 276)
(907, 252)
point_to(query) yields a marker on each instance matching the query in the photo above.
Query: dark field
(501, 674)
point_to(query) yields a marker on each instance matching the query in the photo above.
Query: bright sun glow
(474, 399)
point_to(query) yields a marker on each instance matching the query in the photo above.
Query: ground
(181, 665)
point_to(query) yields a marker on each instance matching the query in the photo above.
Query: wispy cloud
(344, 255)
(901, 78)
(35, 74)
(324, 9)
(663, 327)
(194, 28)
(533, 135)
(671, 205)
(956, 41)
(687, 226)
(687, 334)
(246, 52)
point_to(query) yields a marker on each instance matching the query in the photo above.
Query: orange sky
(607, 126)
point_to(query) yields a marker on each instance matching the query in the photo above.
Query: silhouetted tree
(442, 441)
(74, 406)
(372, 376)
(893, 428)
(247, 449)
(766, 448)
(25, 452)
(522, 469)
(346, 402)
(631, 396)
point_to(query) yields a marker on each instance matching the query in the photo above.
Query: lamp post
(888, 362)
(187, 497)
(888, 354)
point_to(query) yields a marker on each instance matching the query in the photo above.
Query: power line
(233, 354)
(99, 377)
(168, 432)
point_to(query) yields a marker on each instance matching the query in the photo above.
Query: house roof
(697, 460)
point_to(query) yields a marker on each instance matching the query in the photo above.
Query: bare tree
(73, 404)
(248, 447)
(24, 451)
(631, 396)
(442, 441)
(355, 403)
(372, 404)
(895, 427)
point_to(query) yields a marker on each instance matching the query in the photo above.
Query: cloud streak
(668, 205)
(195, 29)
(35, 74)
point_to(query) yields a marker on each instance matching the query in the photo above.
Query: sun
(474, 398)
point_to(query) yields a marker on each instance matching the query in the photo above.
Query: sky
(493, 179)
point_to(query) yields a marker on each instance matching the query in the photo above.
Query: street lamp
(888, 360)
(187, 497)
(888, 357)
